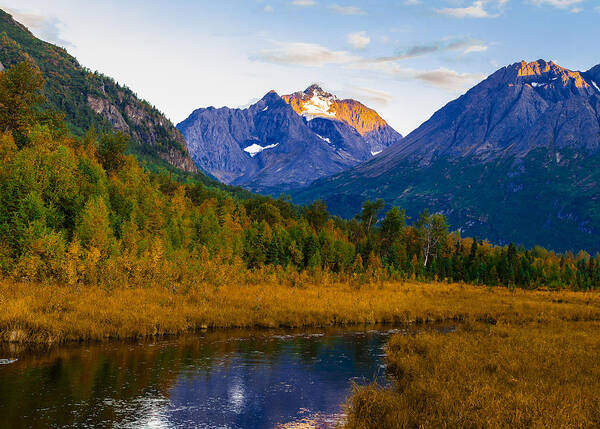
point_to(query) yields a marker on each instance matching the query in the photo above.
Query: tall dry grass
(518, 373)
(31, 312)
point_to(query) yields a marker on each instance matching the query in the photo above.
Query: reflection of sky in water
(302, 385)
(216, 380)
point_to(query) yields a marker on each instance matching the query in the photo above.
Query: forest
(81, 211)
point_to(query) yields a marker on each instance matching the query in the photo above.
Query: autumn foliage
(82, 211)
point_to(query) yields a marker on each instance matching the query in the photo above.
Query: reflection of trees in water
(108, 382)
(82, 384)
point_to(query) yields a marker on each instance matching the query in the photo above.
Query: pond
(220, 379)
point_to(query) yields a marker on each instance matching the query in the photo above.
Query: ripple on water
(314, 420)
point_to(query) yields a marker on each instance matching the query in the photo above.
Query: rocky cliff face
(91, 99)
(151, 130)
(514, 159)
(269, 147)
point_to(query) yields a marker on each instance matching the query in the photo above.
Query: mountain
(92, 99)
(515, 110)
(284, 142)
(514, 159)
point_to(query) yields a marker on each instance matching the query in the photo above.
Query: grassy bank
(53, 313)
(518, 373)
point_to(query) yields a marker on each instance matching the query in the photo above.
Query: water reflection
(231, 379)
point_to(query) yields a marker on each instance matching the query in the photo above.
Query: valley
(298, 262)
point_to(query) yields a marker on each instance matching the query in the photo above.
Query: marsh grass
(516, 373)
(48, 313)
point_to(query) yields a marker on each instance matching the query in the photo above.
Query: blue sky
(405, 58)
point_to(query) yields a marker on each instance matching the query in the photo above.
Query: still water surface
(227, 379)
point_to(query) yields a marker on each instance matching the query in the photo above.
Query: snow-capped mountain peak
(313, 102)
(279, 143)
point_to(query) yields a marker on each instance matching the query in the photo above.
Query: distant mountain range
(514, 159)
(92, 99)
(285, 142)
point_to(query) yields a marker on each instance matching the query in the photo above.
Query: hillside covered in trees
(78, 210)
(92, 99)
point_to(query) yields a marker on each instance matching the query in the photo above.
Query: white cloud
(311, 54)
(268, 9)
(464, 46)
(347, 10)
(358, 40)
(412, 2)
(476, 10)
(443, 78)
(374, 96)
(314, 55)
(304, 3)
(449, 79)
(475, 47)
(305, 54)
(560, 4)
(46, 27)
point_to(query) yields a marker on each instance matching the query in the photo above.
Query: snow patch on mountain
(317, 106)
(255, 149)
(324, 138)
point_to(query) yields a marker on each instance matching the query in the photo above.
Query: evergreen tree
(316, 215)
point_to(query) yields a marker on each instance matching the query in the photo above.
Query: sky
(404, 58)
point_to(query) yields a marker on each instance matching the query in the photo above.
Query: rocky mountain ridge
(272, 146)
(516, 109)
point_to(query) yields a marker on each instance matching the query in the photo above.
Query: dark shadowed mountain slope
(269, 147)
(514, 159)
(93, 99)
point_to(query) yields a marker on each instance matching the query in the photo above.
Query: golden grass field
(53, 313)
